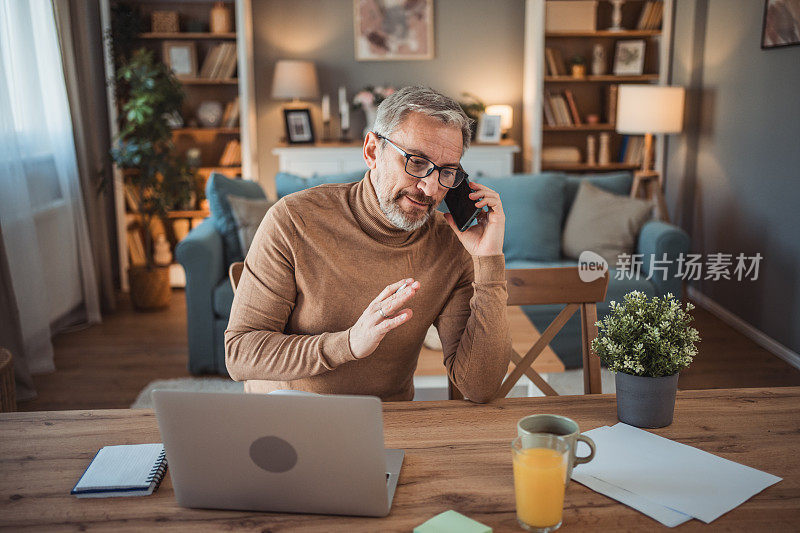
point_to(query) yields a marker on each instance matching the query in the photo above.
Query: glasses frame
(460, 174)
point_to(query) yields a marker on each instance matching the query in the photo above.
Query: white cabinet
(480, 159)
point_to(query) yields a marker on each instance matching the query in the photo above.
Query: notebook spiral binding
(158, 471)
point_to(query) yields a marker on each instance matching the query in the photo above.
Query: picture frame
(629, 58)
(299, 128)
(409, 36)
(489, 129)
(181, 57)
(781, 25)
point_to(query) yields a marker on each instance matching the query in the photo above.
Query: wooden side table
(8, 398)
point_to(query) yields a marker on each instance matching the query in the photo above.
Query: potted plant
(159, 180)
(578, 67)
(368, 99)
(473, 107)
(646, 342)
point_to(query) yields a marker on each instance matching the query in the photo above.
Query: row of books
(650, 18)
(136, 251)
(560, 109)
(631, 150)
(231, 155)
(220, 62)
(555, 65)
(230, 117)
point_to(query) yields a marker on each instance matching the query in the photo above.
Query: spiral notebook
(126, 470)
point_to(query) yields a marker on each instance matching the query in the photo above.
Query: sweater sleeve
(473, 328)
(255, 345)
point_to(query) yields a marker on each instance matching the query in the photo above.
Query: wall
(733, 181)
(477, 47)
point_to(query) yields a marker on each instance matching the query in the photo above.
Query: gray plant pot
(646, 402)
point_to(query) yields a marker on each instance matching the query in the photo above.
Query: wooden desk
(457, 457)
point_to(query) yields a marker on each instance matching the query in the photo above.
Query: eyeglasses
(422, 167)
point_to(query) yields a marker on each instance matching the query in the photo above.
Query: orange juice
(539, 479)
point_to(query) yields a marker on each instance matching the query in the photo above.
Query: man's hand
(381, 316)
(486, 237)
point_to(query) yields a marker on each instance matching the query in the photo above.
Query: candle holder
(326, 131)
(345, 137)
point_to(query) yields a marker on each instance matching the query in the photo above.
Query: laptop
(294, 454)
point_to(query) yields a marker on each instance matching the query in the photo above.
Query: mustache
(419, 198)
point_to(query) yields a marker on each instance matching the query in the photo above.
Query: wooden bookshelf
(606, 78)
(188, 35)
(208, 81)
(589, 94)
(202, 131)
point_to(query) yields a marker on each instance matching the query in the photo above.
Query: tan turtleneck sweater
(320, 256)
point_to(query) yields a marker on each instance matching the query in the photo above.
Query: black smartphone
(461, 206)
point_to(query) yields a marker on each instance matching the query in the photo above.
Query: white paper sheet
(670, 474)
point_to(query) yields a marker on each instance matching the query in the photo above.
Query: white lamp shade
(506, 113)
(295, 80)
(650, 109)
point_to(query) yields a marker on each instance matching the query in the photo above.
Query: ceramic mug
(557, 425)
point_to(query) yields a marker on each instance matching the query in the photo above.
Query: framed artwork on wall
(781, 23)
(629, 58)
(298, 126)
(181, 57)
(392, 30)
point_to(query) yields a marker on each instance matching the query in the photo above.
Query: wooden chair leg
(592, 384)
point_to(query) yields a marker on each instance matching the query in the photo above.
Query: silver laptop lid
(321, 454)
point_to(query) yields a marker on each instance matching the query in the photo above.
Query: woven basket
(150, 289)
(8, 398)
(165, 22)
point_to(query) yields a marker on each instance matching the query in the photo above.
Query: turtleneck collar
(367, 212)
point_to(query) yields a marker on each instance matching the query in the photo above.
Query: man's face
(405, 200)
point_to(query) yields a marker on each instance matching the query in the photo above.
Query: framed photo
(488, 129)
(392, 30)
(181, 57)
(781, 23)
(629, 58)
(298, 126)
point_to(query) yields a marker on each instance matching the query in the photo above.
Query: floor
(105, 366)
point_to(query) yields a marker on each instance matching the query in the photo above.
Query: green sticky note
(452, 522)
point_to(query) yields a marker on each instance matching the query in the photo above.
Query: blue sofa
(536, 208)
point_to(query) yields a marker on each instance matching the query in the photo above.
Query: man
(342, 281)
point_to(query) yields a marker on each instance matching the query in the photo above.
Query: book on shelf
(549, 116)
(230, 117)
(220, 62)
(136, 247)
(562, 110)
(555, 63)
(132, 198)
(611, 104)
(651, 15)
(573, 108)
(631, 150)
(231, 154)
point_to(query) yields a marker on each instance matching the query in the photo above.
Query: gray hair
(394, 110)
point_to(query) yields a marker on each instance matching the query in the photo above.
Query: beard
(390, 206)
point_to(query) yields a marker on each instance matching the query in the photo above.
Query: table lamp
(295, 80)
(506, 113)
(648, 110)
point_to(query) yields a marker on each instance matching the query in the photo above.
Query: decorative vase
(645, 402)
(598, 60)
(220, 19)
(370, 112)
(150, 290)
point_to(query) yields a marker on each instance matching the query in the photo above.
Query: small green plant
(647, 337)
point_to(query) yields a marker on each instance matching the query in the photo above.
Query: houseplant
(368, 99)
(148, 93)
(646, 342)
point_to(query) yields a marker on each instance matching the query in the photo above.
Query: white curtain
(42, 217)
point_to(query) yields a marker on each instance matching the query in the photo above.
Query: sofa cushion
(286, 183)
(218, 188)
(614, 182)
(248, 213)
(223, 298)
(533, 205)
(604, 223)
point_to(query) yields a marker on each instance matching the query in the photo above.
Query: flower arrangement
(647, 337)
(371, 96)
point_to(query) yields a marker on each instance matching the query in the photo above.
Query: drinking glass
(540, 477)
